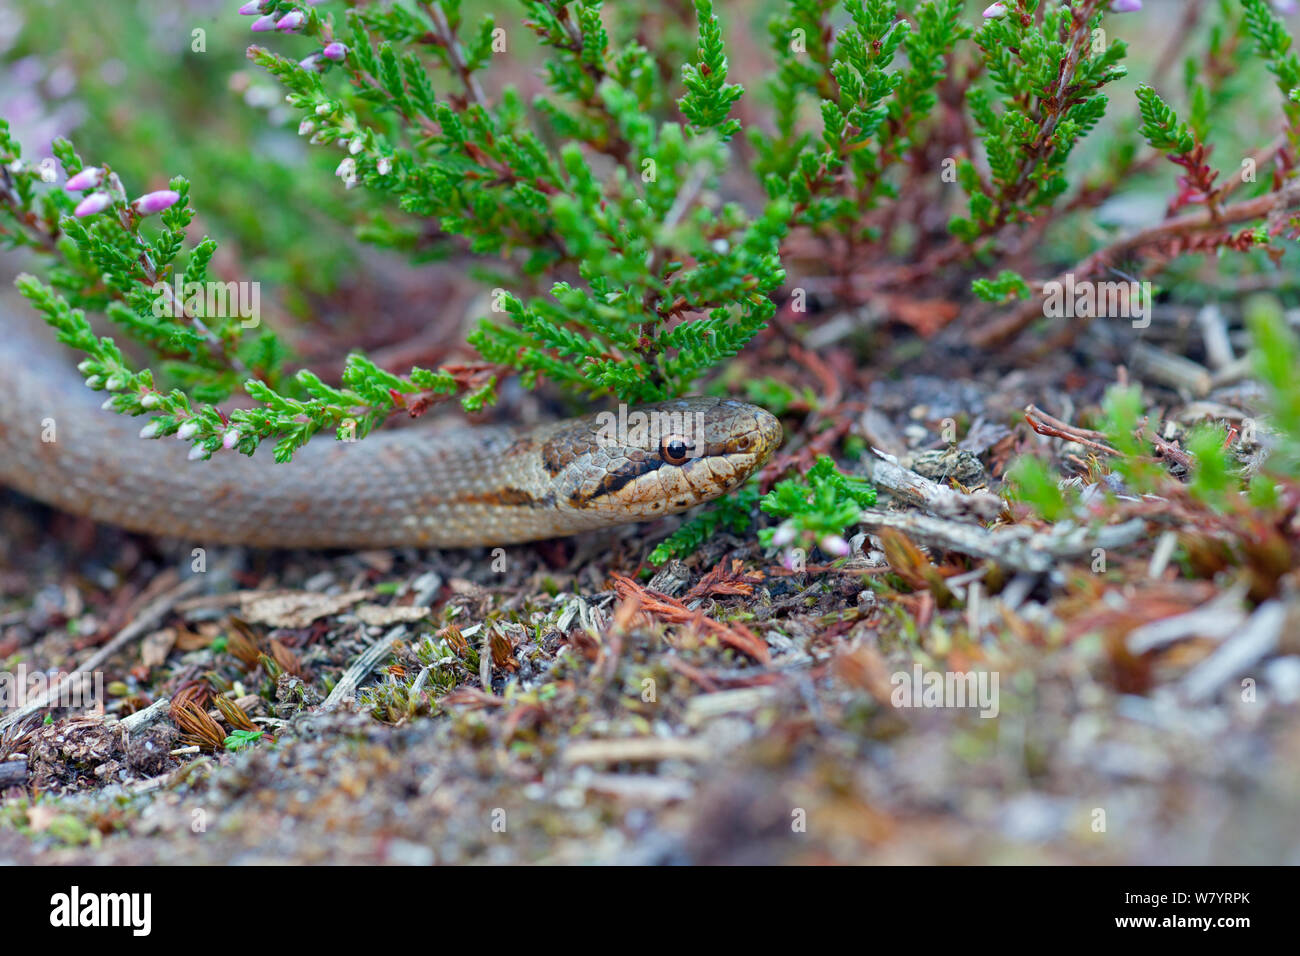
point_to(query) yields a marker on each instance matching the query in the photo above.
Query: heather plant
(159, 88)
(638, 217)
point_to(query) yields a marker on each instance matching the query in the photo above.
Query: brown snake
(470, 486)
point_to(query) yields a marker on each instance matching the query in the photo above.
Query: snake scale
(469, 486)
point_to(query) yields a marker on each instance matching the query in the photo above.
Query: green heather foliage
(1160, 126)
(605, 215)
(816, 509)
(733, 513)
(1035, 113)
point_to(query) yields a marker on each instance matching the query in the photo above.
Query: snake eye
(674, 450)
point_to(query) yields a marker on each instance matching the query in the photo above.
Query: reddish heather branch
(1008, 326)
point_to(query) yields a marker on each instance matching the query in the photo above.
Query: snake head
(651, 460)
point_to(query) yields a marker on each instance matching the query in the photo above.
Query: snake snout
(754, 433)
(770, 433)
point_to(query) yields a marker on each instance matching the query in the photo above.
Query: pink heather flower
(334, 51)
(230, 439)
(994, 11)
(310, 62)
(1285, 6)
(88, 178)
(252, 8)
(153, 202)
(262, 24)
(197, 452)
(347, 171)
(1126, 6)
(187, 431)
(835, 545)
(784, 535)
(92, 204)
(150, 431)
(292, 20)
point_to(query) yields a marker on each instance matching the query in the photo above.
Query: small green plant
(732, 514)
(238, 740)
(1123, 414)
(816, 510)
(1033, 483)
(1276, 357)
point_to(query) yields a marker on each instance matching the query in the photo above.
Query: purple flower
(310, 62)
(88, 178)
(292, 20)
(262, 24)
(334, 51)
(230, 439)
(1126, 6)
(153, 202)
(252, 8)
(993, 11)
(94, 203)
(1285, 6)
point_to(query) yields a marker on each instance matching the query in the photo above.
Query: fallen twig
(636, 750)
(887, 474)
(1045, 424)
(144, 622)
(1017, 548)
(13, 773)
(1255, 640)
(346, 688)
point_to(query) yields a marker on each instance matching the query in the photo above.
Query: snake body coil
(471, 486)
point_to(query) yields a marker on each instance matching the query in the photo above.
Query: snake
(466, 486)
